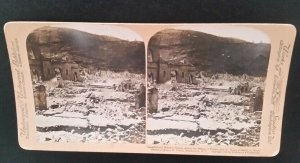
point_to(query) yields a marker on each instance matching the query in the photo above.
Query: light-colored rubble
(206, 113)
(165, 124)
(93, 111)
(50, 121)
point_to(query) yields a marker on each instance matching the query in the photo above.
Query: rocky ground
(92, 111)
(205, 113)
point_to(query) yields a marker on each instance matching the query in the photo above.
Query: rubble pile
(93, 111)
(206, 113)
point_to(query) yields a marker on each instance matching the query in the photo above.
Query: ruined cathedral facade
(46, 68)
(160, 71)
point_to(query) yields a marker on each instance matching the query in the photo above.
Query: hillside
(87, 49)
(211, 53)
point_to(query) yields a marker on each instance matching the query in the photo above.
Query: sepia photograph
(88, 83)
(206, 85)
(187, 89)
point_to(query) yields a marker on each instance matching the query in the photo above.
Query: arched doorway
(58, 72)
(150, 77)
(35, 75)
(75, 76)
(174, 75)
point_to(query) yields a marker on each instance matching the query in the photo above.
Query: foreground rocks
(206, 113)
(91, 112)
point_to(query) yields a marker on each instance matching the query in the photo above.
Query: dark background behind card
(167, 11)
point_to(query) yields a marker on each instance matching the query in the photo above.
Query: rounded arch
(174, 74)
(75, 76)
(150, 77)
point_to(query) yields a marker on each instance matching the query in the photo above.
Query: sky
(107, 30)
(240, 32)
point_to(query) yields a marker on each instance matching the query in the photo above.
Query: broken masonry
(40, 97)
(153, 100)
(140, 97)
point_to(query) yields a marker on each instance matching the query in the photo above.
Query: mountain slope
(87, 49)
(211, 53)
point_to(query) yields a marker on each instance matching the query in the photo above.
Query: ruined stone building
(47, 69)
(160, 70)
(47, 59)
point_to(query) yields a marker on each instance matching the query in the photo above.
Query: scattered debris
(220, 110)
(94, 111)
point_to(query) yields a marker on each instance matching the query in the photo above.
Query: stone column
(40, 97)
(152, 100)
(140, 97)
(256, 101)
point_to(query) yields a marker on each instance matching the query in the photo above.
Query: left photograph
(88, 83)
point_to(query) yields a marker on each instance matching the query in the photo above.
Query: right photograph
(205, 85)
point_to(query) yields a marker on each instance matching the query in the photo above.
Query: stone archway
(174, 75)
(150, 77)
(75, 76)
(35, 75)
(57, 71)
